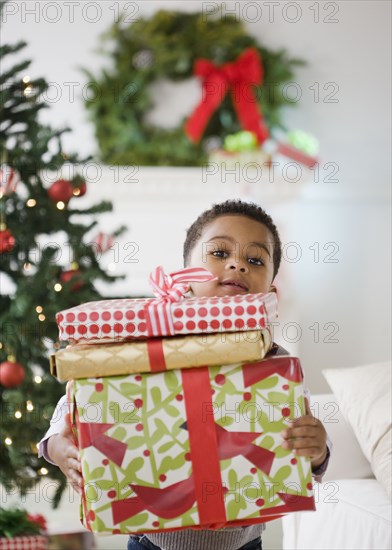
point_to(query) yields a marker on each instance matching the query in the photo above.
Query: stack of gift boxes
(177, 414)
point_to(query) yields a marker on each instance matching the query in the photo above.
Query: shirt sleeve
(319, 472)
(57, 423)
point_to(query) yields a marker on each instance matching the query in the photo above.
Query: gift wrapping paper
(124, 319)
(158, 354)
(33, 542)
(197, 448)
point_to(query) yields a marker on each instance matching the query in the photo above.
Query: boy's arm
(306, 436)
(320, 465)
(57, 424)
(58, 446)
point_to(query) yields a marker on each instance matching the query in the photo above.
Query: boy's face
(239, 251)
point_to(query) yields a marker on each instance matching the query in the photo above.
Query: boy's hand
(306, 436)
(63, 451)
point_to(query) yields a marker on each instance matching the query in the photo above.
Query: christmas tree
(35, 285)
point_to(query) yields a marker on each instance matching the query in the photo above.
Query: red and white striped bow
(168, 289)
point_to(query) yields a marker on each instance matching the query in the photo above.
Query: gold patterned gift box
(159, 354)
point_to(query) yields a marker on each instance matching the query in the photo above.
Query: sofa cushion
(351, 513)
(364, 395)
(382, 462)
(347, 459)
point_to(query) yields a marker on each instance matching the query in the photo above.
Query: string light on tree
(79, 186)
(29, 91)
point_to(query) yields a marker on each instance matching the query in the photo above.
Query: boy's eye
(224, 254)
(220, 253)
(256, 261)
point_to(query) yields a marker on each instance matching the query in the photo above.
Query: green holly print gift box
(197, 448)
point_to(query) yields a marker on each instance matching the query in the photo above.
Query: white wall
(351, 56)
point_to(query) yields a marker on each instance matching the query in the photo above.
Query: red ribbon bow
(168, 289)
(177, 498)
(240, 76)
(93, 434)
(172, 287)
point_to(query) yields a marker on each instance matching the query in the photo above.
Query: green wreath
(167, 45)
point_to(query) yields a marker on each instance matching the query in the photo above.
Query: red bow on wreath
(239, 76)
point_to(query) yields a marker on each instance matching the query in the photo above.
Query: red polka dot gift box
(191, 448)
(168, 314)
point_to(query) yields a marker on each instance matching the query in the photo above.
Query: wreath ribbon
(239, 76)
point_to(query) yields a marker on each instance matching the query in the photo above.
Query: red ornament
(7, 241)
(67, 276)
(12, 374)
(39, 520)
(9, 179)
(61, 190)
(79, 188)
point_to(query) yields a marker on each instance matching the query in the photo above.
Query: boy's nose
(237, 266)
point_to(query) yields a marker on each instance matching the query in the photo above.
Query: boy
(239, 243)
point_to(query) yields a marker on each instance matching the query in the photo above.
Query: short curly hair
(248, 209)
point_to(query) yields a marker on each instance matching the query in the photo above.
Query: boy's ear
(273, 289)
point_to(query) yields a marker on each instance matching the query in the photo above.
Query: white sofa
(353, 509)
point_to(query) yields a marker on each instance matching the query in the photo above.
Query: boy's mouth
(235, 284)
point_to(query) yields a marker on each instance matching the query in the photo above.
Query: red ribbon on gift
(168, 289)
(231, 444)
(239, 76)
(255, 372)
(93, 434)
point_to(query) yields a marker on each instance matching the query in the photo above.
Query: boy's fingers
(299, 443)
(74, 477)
(76, 486)
(303, 421)
(303, 447)
(75, 464)
(307, 407)
(73, 452)
(310, 452)
(300, 431)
